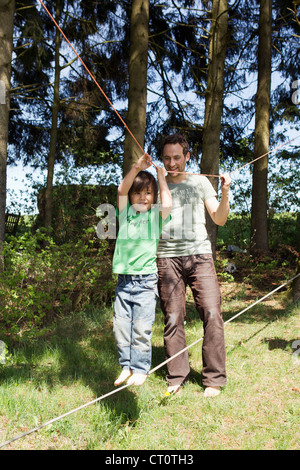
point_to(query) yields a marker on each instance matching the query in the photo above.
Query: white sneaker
(125, 374)
(137, 379)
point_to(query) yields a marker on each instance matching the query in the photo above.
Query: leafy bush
(42, 280)
(283, 228)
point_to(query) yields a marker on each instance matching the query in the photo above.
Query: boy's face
(174, 159)
(142, 200)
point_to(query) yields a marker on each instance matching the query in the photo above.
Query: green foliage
(236, 231)
(42, 280)
(76, 197)
(283, 230)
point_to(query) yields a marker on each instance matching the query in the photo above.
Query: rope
(192, 344)
(91, 75)
(249, 163)
(225, 323)
(122, 120)
(265, 154)
(150, 372)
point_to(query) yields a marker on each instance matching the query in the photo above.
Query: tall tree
(54, 124)
(214, 98)
(40, 86)
(137, 95)
(7, 8)
(259, 223)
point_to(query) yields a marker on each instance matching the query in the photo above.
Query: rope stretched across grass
(150, 372)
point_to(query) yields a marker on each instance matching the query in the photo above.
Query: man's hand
(161, 172)
(225, 182)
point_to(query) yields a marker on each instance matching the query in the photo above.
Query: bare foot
(125, 374)
(211, 391)
(173, 389)
(137, 379)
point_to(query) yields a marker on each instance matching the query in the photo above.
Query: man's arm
(219, 210)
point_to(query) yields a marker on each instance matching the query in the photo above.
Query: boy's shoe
(137, 379)
(125, 374)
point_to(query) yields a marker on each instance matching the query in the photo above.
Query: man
(185, 258)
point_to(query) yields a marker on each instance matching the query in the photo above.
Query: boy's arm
(165, 195)
(142, 164)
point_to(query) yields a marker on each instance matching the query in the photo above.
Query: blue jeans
(134, 316)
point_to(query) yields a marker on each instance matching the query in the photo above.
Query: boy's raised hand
(145, 161)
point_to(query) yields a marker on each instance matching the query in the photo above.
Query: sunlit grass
(77, 362)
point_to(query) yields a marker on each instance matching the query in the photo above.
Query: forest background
(83, 107)
(136, 71)
(225, 73)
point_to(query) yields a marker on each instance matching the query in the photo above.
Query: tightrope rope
(192, 344)
(150, 372)
(225, 323)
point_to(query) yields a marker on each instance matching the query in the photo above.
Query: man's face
(174, 160)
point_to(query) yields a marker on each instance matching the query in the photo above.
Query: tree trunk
(214, 100)
(259, 223)
(7, 9)
(296, 282)
(137, 96)
(53, 136)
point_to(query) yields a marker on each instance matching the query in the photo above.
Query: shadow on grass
(82, 348)
(76, 350)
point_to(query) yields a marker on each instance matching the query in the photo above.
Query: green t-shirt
(187, 234)
(136, 245)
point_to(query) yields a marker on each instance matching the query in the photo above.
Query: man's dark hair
(176, 138)
(144, 179)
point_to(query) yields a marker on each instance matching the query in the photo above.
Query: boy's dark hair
(176, 138)
(144, 179)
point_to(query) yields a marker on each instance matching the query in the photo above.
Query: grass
(76, 362)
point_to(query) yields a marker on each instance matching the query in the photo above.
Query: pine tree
(214, 99)
(259, 223)
(7, 8)
(137, 94)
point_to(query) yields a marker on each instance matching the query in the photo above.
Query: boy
(140, 226)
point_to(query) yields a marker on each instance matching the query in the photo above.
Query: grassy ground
(77, 362)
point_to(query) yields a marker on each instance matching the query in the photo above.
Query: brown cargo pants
(197, 271)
